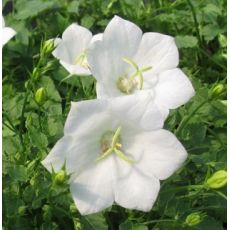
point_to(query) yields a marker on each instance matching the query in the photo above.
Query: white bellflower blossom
(71, 49)
(7, 33)
(111, 157)
(126, 61)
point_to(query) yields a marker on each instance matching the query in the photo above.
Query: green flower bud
(41, 96)
(217, 91)
(73, 209)
(217, 180)
(193, 219)
(36, 73)
(48, 46)
(47, 212)
(22, 210)
(60, 177)
(222, 40)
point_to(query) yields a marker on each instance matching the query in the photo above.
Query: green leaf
(94, 222)
(32, 8)
(87, 21)
(210, 31)
(186, 41)
(128, 225)
(18, 172)
(37, 138)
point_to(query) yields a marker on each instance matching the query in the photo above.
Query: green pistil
(81, 60)
(127, 85)
(114, 147)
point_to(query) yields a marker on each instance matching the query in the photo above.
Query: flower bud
(35, 73)
(222, 40)
(217, 180)
(21, 210)
(47, 212)
(41, 96)
(193, 219)
(48, 46)
(218, 90)
(60, 177)
(73, 209)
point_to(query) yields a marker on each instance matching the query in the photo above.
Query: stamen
(81, 60)
(128, 84)
(111, 143)
(123, 156)
(116, 137)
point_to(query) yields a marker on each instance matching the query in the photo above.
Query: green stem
(187, 187)
(22, 118)
(186, 119)
(195, 22)
(212, 59)
(157, 221)
(220, 194)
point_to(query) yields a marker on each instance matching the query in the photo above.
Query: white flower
(111, 158)
(7, 33)
(72, 48)
(125, 61)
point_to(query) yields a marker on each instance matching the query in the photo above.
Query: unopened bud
(217, 180)
(41, 96)
(73, 209)
(47, 212)
(193, 219)
(36, 73)
(217, 91)
(222, 40)
(60, 177)
(48, 46)
(22, 210)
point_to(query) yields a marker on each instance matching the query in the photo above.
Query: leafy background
(31, 198)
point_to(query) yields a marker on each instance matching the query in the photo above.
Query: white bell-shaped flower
(126, 61)
(7, 33)
(111, 157)
(71, 49)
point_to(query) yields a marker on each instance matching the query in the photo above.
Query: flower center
(127, 84)
(81, 60)
(111, 143)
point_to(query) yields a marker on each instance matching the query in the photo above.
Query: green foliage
(31, 199)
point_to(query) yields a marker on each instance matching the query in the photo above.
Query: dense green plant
(36, 101)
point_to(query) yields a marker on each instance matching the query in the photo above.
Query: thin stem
(212, 59)
(22, 118)
(195, 22)
(187, 187)
(157, 221)
(186, 119)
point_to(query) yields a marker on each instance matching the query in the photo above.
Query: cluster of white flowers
(115, 147)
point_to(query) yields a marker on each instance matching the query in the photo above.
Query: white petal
(173, 89)
(136, 191)
(3, 22)
(75, 69)
(158, 51)
(139, 110)
(85, 116)
(92, 190)
(57, 156)
(105, 70)
(7, 34)
(123, 37)
(96, 37)
(157, 153)
(120, 39)
(75, 40)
